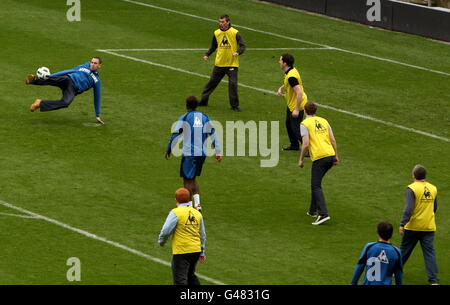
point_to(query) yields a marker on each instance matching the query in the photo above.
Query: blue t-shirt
(195, 127)
(381, 261)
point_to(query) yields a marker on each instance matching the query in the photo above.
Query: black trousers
(183, 269)
(63, 82)
(318, 170)
(293, 128)
(217, 74)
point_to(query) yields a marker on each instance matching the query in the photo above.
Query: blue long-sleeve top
(194, 128)
(171, 223)
(84, 79)
(381, 261)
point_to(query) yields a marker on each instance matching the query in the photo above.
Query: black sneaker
(236, 108)
(291, 148)
(203, 104)
(312, 215)
(321, 219)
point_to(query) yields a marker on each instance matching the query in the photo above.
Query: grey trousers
(318, 170)
(409, 241)
(217, 74)
(63, 82)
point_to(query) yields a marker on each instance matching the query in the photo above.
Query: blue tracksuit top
(84, 79)
(194, 127)
(381, 260)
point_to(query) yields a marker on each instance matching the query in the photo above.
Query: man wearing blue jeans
(418, 221)
(71, 82)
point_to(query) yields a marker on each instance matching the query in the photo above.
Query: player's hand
(218, 158)
(295, 113)
(235, 54)
(336, 161)
(301, 163)
(99, 120)
(280, 91)
(205, 57)
(167, 155)
(202, 258)
(401, 230)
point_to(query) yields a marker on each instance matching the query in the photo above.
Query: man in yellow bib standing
(185, 224)
(319, 140)
(418, 221)
(296, 99)
(229, 45)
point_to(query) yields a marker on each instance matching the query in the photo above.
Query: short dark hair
(419, 172)
(99, 59)
(226, 17)
(191, 102)
(385, 230)
(310, 108)
(288, 59)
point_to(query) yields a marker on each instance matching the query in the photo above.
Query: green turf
(113, 181)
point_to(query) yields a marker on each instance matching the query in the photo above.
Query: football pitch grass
(70, 188)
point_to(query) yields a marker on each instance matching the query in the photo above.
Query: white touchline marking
(274, 93)
(292, 38)
(199, 49)
(17, 215)
(102, 239)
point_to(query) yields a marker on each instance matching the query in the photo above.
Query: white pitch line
(17, 215)
(198, 49)
(102, 239)
(274, 93)
(292, 38)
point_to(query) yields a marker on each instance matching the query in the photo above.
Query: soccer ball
(43, 73)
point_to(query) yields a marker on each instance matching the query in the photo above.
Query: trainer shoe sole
(35, 105)
(30, 79)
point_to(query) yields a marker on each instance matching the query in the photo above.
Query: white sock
(190, 202)
(196, 200)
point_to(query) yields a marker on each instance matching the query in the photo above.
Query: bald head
(182, 195)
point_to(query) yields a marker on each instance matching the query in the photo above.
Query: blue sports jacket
(84, 79)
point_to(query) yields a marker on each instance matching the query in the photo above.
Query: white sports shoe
(320, 220)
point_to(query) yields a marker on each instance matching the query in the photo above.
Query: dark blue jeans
(426, 239)
(183, 269)
(293, 128)
(63, 82)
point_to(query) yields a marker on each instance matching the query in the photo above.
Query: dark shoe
(312, 215)
(203, 104)
(291, 148)
(30, 79)
(237, 109)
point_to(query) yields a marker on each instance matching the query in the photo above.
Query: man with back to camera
(418, 221)
(381, 260)
(71, 82)
(195, 127)
(185, 225)
(318, 139)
